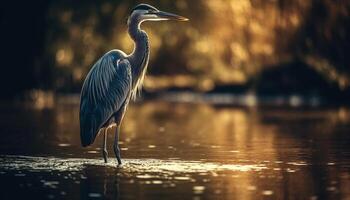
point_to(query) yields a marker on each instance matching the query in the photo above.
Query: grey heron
(115, 79)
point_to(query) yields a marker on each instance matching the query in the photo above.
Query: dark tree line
(33, 33)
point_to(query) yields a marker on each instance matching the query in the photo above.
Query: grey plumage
(105, 90)
(115, 79)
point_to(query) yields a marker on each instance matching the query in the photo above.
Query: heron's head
(145, 12)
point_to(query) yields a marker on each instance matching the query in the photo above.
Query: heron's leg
(118, 118)
(116, 145)
(104, 145)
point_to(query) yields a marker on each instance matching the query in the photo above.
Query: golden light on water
(245, 153)
(145, 167)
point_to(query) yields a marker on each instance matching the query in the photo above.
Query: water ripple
(130, 165)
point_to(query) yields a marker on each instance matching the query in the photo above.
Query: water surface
(179, 151)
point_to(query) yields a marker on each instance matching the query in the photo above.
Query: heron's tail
(88, 129)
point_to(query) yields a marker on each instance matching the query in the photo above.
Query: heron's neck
(140, 55)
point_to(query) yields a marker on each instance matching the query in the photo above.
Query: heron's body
(114, 79)
(99, 107)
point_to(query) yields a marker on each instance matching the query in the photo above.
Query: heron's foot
(119, 162)
(117, 154)
(105, 155)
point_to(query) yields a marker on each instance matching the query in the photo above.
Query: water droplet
(302, 163)
(267, 192)
(51, 184)
(94, 195)
(214, 174)
(83, 177)
(145, 176)
(182, 178)
(64, 145)
(290, 170)
(198, 189)
(151, 146)
(20, 175)
(131, 181)
(251, 187)
(157, 182)
(174, 158)
(331, 189)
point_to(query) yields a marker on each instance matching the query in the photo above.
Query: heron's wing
(104, 91)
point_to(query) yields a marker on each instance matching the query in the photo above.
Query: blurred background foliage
(257, 45)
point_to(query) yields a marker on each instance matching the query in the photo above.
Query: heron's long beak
(170, 16)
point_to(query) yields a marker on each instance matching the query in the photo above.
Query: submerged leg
(116, 145)
(104, 145)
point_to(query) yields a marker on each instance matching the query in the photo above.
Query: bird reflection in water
(99, 182)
